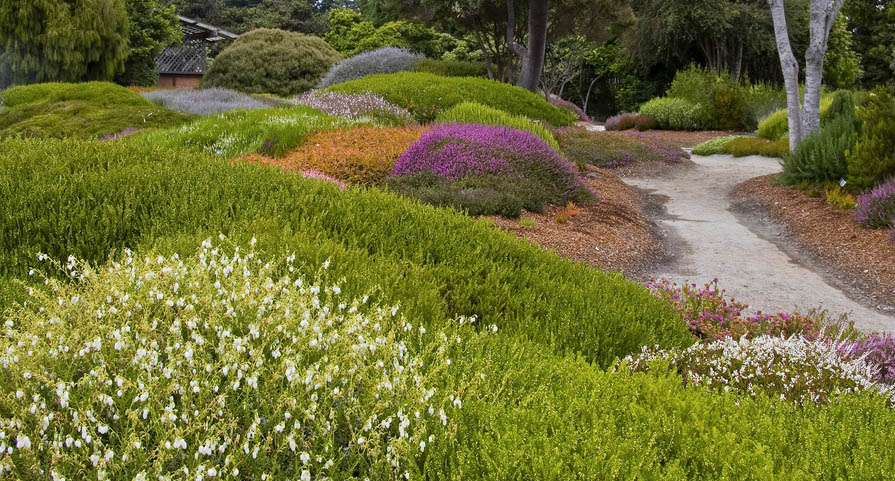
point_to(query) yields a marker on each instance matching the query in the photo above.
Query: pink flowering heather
(317, 175)
(118, 135)
(571, 107)
(876, 209)
(456, 151)
(877, 350)
(353, 106)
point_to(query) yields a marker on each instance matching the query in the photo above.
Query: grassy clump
(714, 146)
(426, 95)
(432, 262)
(272, 132)
(473, 113)
(88, 110)
(743, 146)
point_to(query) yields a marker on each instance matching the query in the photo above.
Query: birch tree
(804, 116)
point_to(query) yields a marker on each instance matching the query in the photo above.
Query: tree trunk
(790, 73)
(822, 17)
(533, 60)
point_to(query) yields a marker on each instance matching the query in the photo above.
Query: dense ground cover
(204, 101)
(612, 149)
(89, 110)
(426, 95)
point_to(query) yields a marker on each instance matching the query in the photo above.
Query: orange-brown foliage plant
(359, 156)
(569, 211)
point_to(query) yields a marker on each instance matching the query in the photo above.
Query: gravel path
(711, 242)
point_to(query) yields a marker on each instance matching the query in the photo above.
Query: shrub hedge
(473, 113)
(426, 95)
(432, 262)
(272, 61)
(86, 110)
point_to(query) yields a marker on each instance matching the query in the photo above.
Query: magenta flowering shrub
(317, 175)
(571, 107)
(461, 165)
(877, 350)
(123, 133)
(876, 209)
(355, 106)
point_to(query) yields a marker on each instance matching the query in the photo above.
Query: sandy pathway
(714, 243)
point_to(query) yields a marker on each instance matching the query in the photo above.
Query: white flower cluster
(793, 368)
(219, 365)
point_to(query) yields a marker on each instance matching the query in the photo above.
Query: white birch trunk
(790, 73)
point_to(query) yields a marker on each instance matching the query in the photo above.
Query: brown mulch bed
(611, 234)
(831, 235)
(680, 138)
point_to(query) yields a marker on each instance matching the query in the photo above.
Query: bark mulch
(680, 139)
(830, 234)
(610, 234)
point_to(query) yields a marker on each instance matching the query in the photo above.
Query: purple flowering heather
(571, 107)
(352, 106)
(878, 350)
(123, 133)
(876, 209)
(455, 151)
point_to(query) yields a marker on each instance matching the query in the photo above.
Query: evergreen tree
(152, 28)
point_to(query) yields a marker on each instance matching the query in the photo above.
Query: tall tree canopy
(872, 23)
(61, 40)
(152, 28)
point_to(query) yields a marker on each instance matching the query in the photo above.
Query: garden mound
(863, 257)
(610, 234)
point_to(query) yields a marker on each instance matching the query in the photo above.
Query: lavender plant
(383, 60)
(355, 107)
(203, 102)
(876, 209)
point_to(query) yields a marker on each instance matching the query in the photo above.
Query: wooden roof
(189, 58)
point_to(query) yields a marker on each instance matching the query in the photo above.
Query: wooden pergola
(182, 66)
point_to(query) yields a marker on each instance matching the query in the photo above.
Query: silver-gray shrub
(204, 102)
(355, 106)
(383, 60)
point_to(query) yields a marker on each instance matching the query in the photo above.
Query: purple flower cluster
(123, 133)
(878, 350)
(455, 151)
(352, 106)
(876, 209)
(565, 104)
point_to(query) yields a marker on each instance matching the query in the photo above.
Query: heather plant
(460, 151)
(714, 146)
(451, 68)
(677, 114)
(473, 113)
(59, 110)
(872, 159)
(744, 146)
(364, 106)
(123, 133)
(776, 125)
(273, 132)
(272, 61)
(570, 106)
(839, 198)
(645, 122)
(615, 149)
(796, 368)
(222, 363)
(876, 209)
(426, 95)
(877, 350)
(203, 102)
(382, 61)
(357, 156)
(622, 121)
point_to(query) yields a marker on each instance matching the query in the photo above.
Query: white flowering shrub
(218, 365)
(793, 368)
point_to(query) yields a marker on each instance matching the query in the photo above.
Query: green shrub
(677, 114)
(724, 101)
(714, 146)
(272, 132)
(821, 157)
(426, 95)
(872, 159)
(452, 68)
(272, 61)
(776, 125)
(434, 263)
(87, 110)
(473, 113)
(743, 146)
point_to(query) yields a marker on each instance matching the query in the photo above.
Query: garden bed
(678, 138)
(862, 258)
(610, 234)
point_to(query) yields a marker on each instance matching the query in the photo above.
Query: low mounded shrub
(614, 149)
(677, 114)
(473, 113)
(571, 107)
(839, 198)
(271, 132)
(821, 158)
(723, 100)
(743, 146)
(776, 125)
(380, 61)
(272, 61)
(872, 159)
(203, 102)
(356, 107)
(426, 95)
(490, 156)
(358, 156)
(645, 122)
(451, 68)
(622, 121)
(876, 209)
(89, 110)
(714, 146)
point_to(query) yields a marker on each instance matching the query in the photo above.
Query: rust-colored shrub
(363, 155)
(569, 211)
